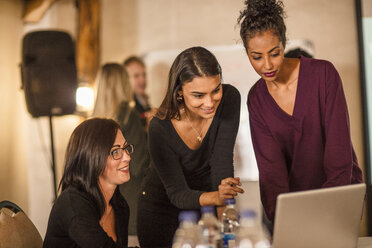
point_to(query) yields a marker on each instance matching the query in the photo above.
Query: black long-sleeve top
(178, 175)
(74, 222)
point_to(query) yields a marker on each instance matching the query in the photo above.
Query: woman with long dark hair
(115, 100)
(90, 211)
(298, 114)
(191, 141)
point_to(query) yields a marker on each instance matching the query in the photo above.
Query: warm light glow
(84, 98)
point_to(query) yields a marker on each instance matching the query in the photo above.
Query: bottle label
(229, 240)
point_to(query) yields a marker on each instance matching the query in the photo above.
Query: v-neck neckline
(275, 106)
(201, 143)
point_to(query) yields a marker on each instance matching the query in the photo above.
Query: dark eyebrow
(200, 93)
(269, 51)
(119, 145)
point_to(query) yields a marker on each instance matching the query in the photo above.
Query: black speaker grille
(49, 74)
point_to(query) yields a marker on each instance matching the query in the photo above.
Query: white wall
(13, 143)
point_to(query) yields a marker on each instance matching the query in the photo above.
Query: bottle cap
(207, 209)
(230, 201)
(187, 216)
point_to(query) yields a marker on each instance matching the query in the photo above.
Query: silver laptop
(322, 218)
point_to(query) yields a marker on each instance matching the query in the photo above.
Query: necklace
(200, 134)
(105, 217)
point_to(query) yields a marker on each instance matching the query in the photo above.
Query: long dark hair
(260, 16)
(192, 62)
(86, 156)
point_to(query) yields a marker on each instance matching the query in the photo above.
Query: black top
(74, 222)
(178, 175)
(142, 109)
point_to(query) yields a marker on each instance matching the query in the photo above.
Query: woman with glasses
(191, 141)
(90, 211)
(115, 101)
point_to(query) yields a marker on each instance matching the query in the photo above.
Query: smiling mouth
(124, 169)
(208, 111)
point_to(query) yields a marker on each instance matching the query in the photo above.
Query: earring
(179, 98)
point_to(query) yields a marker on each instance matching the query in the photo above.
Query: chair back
(16, 229)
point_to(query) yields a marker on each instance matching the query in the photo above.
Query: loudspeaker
(48, 70)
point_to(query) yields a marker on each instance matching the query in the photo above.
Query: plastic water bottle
(230, 223)
(210, 229)
(187, 233)
(251, 234)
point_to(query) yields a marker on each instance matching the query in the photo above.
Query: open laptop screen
(328, 217)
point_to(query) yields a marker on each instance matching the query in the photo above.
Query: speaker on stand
(49, 78)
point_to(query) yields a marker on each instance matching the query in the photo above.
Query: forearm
(210, 199)
(229, 188)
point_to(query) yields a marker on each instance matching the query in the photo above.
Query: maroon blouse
(310, 149)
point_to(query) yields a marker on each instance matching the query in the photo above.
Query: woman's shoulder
(230, 90)
(73, 201)
(317, 64)
(231, 95)
(159, 126)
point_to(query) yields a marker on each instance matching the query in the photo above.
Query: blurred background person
(91, 212)
(115, 100)
(136, 69)
(297, 48)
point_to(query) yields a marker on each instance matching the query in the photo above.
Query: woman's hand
(226, 190)
(229, 189)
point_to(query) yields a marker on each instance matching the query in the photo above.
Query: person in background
(191, 141)
(137, 76)
(298, 48)
(297, 53)
(90, 211)
(298, 114)
(115, 100)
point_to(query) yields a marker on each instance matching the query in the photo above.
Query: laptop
(321, 218)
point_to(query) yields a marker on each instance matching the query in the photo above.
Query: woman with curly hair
(298, 114)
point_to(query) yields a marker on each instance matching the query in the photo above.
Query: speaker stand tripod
(53, 157)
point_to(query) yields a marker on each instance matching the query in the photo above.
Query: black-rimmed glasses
(118, 153)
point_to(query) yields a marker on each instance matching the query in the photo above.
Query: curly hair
(260, 16)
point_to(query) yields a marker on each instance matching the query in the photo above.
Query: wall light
(84, 99)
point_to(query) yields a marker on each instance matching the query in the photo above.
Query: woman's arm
(273, 172)
(339, 162)
(221, 161)
(226, 190)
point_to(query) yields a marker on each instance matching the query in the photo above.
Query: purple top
(310, 149)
